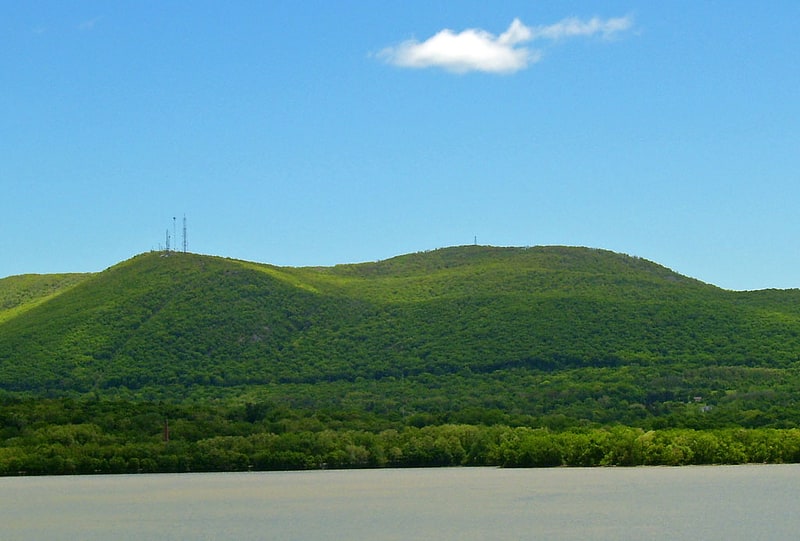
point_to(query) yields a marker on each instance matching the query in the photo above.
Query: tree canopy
(554, 339)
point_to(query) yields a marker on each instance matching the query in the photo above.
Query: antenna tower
(185, 240)
(167, 250)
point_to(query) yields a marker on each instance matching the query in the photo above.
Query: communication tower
(185, 239)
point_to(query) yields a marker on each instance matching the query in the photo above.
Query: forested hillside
(197, 320)
(20, 293)
(553, 338)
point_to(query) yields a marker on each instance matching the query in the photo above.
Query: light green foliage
(543, 341)
(48, 438)
(21, 293)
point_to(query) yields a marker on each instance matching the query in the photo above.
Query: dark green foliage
(203, 321)
(467, 355)
(65, 437)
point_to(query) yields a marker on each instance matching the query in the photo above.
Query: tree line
(59, 439)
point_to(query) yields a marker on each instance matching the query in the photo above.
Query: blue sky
(317, 133)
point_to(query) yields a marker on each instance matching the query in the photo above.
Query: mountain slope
(21, 293)
(192, 320)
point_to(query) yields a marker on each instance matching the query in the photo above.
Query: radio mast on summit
(185, 239)
(172, 237)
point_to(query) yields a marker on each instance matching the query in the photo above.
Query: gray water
(718, 502)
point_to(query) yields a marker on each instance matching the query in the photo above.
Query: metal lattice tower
(185, 239)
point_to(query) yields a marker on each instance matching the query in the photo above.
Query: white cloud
(516, 33)
(573, 27)
(478, 50)
(470, 50)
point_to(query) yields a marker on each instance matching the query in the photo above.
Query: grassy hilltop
(554, 337)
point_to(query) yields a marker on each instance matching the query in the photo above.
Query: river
(715, 502)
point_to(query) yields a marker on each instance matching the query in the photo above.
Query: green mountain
(342, 365)
(20, 293)
(191, 322)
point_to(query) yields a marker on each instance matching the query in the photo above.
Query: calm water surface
(718, 502)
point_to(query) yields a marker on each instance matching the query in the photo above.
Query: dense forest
(470, 355)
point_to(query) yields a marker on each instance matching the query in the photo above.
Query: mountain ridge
(470, 355)
(193, 320)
